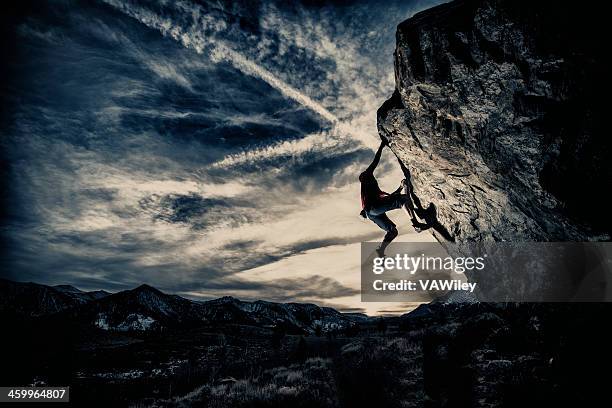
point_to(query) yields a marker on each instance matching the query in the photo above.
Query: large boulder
(498, 113)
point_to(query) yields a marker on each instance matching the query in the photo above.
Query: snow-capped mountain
(300, 316)
(146, 308)
(143, 308)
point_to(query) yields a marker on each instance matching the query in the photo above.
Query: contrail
(320, 142)
(220, 52)
(250, 68)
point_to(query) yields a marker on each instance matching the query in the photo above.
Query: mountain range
(145, 309)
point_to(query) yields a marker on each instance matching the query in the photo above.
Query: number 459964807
(33, 393)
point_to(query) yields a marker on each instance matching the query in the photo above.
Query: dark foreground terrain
(440, 355)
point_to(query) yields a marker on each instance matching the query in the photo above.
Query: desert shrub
(309, 384)
(379, 372)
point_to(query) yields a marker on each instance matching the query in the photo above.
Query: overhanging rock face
(499, 118)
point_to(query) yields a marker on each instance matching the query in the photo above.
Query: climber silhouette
(375, 203)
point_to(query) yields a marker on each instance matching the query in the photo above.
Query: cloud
(217, 50)
(232, 171)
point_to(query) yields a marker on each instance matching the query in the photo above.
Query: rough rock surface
(498, 115)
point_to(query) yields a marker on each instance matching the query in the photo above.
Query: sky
(207, 148)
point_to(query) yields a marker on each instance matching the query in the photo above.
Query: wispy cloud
(215, 159)
(217, 51)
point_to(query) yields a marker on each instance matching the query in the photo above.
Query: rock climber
(375, 203)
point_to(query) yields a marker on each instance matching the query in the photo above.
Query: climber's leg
(389, 236)
(394, 202)
(415, 204)
(388, 203)
(418, 207)
(387, 225)
(408, 206)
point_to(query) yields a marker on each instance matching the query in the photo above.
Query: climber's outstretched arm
(376, 160)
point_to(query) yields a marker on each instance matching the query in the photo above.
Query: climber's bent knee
(391, 234)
